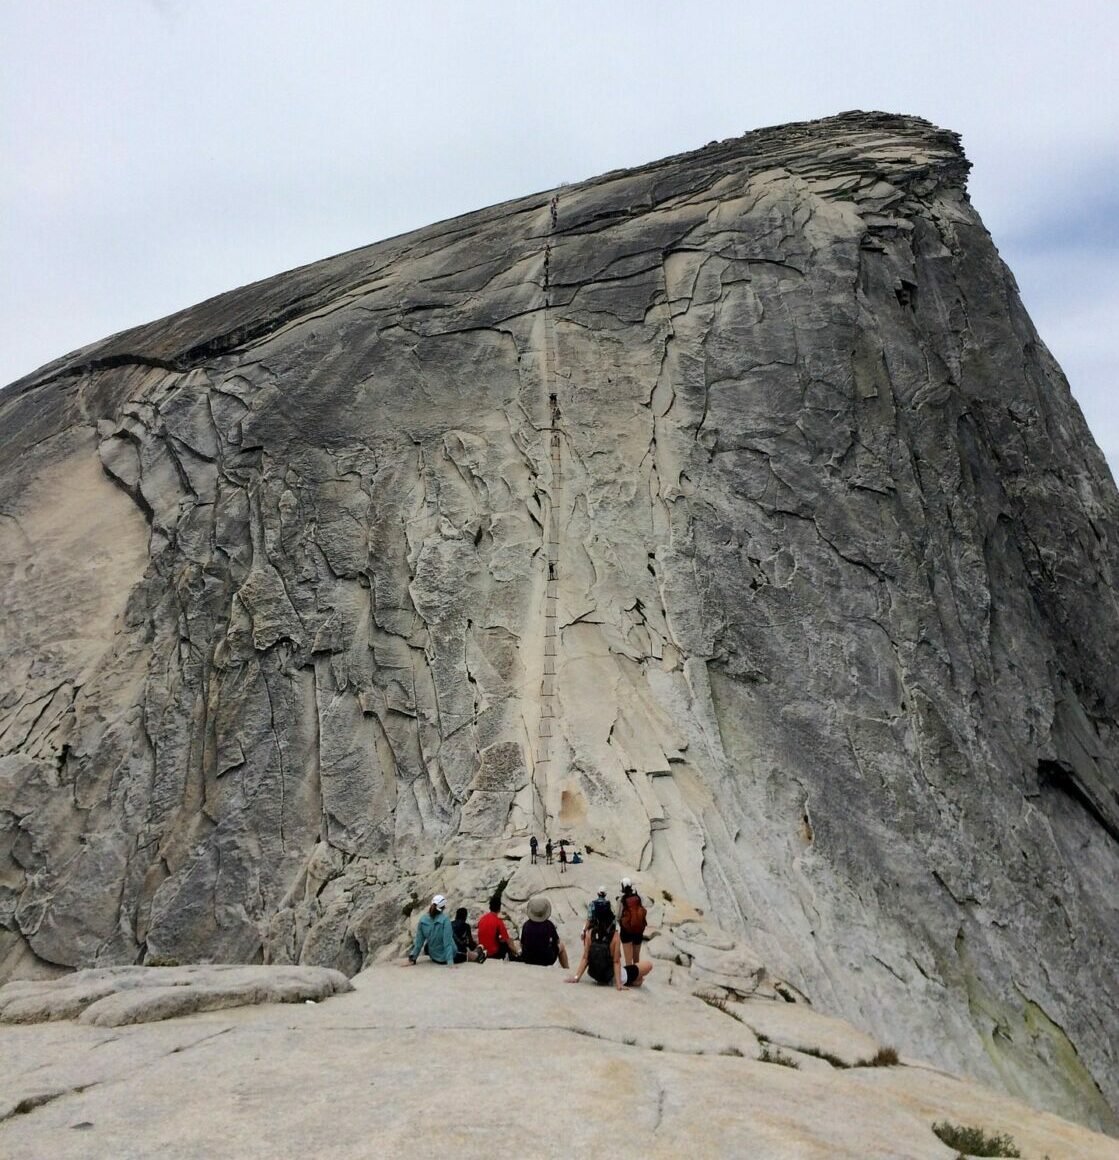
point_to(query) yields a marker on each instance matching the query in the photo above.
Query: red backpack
(633, 916)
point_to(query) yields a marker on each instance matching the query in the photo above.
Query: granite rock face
(725, 516)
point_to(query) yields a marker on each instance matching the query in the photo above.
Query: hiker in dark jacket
(464, 936)
(540, 941)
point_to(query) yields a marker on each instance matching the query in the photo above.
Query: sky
(158, 152)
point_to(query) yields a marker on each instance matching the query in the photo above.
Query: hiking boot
(481, 954)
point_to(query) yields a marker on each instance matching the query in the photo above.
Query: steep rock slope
(725, 516)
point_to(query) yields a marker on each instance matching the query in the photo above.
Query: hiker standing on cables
(548, 851)
(533, 846)
(563, 858)
(632, 919)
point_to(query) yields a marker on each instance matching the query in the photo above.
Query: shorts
(632, 972)
(626, 937)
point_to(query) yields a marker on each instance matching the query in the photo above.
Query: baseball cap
(626, 882)
(439, 901)
(602, 892)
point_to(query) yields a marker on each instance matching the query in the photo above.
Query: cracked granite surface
(725, 516)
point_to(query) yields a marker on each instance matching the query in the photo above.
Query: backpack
(633, 918)
(600, 962)
(601, 913)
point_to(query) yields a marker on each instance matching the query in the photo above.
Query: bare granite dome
(726, 517)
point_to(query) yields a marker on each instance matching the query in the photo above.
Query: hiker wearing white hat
(435, 933)
(540, 941)
(632, 920)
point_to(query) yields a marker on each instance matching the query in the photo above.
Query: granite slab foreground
(427, 1060)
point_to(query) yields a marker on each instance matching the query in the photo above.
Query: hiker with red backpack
(602, 954)
(632, 920)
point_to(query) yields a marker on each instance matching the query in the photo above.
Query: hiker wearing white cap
(599, 907)
(540, 941)
(602, 954)
(434, 931)
(632, 920)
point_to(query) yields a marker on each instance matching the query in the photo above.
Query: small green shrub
(775, 1056)
(667, 897)
(826, 1056)
(657, 1047)
(974, 1141)
(719, 1002)
(161, 961)
(730, 1051)
(883, 1057)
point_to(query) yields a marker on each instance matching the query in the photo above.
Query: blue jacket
(440, 939)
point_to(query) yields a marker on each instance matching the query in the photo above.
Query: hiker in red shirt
(494, 936)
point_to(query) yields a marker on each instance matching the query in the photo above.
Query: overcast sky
(157, 152)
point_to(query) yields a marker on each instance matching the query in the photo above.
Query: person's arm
(582, 963)
(616, 951)
(417, 942)
(511, 942)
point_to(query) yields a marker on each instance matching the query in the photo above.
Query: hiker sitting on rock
(464, 937)
(494, 936)
(434, 931)
(602, 951)
(540, 941)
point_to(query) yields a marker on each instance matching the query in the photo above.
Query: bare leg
(630, 951)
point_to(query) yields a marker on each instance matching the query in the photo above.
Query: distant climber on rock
(494, 936)
(563, 858)
(548, 852)
(533, 846)
(434, 932)
(541, 945)
(632, 920)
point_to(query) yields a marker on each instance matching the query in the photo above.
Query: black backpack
(600, 961)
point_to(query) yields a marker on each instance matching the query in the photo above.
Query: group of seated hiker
(454, 942)
(611, 942)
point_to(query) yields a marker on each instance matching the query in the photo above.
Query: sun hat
(602, 892)
(626, 882)
(439, 902)
(539, 908)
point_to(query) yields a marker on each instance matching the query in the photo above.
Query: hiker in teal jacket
(434, 929)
